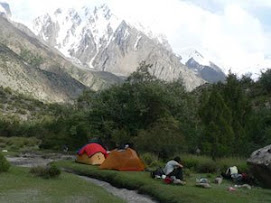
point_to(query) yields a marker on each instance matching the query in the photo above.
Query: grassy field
(172, 193)
(18, 185)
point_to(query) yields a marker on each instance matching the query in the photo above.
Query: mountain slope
(18, 74)
(99, 40)
(202, 66)
(30, 66)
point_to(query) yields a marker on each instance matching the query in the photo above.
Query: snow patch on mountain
(72, 26)
(192, 53)
(2, 10)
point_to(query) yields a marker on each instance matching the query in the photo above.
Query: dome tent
(92, 153)
(123, 160)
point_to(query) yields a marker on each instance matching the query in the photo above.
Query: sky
(234, 34)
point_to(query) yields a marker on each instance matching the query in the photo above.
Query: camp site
(135, 101)
(205, 180)
(140, 138)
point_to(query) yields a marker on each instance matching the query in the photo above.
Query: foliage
(33, 59)
(265, 80)
(224, 163)
(142, 74)
(151, 160)
(218, 136)
(207, 167)
(223, 119)
(51, 171)
(4, 164)
(162, 138)
(19, 143)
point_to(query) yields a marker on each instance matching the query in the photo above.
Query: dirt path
(32, 159)
(130, 196)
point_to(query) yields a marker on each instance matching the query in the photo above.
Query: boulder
(260, 162)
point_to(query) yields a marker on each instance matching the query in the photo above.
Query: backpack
(157, 172)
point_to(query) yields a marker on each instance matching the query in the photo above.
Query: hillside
(18, 107)
(29, 66)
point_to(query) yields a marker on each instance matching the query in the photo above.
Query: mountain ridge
(105, 43)
(48, 76)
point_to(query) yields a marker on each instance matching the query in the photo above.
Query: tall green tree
(218, 136)
(265, 80)
(238, 102)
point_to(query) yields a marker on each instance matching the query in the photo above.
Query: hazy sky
(235, 33)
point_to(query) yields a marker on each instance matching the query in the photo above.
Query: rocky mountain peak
(97, 39)
(5, 10)
(58, 11)
(202, 66)
(102, 11)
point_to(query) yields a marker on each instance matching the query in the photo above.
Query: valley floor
(18, 185)
(162, 192)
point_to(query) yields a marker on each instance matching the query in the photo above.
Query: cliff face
(99, 40)
(31, 67)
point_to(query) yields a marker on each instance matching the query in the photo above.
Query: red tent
(91, 149)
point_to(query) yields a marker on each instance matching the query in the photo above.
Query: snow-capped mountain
(4, 9)
(79, 33)
(202, 66)
(97, 39)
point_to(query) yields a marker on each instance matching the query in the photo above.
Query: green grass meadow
(18, 185)
(162, 192)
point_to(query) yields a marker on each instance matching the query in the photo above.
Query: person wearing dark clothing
(174, 168)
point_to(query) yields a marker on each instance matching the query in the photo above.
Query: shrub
(53, 171)
(4, 164)
(191, 163)
(158, 138)
(46, 172)
(16, 143)
(207, 167)
(151, 160)
(38, 171)
(148, 158)
(225, 163)
(156, 164)
(187, 172)
(195, 163)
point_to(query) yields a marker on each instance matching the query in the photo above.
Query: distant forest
(231, 118)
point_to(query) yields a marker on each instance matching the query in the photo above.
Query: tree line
(231, 118)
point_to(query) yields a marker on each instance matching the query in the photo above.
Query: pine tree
(237, 101)
(218, 135)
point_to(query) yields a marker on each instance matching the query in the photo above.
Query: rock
(218, 180)
(260, 162)
(203, 185)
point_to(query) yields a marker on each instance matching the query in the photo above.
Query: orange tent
(93, 154)
(123, 160)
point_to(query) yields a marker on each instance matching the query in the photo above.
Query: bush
(148, 158)
(4, 164)
(225, 163)
(207, 167)
(197, 163)
(151, 160)
(187, 172)
(159, 136)
(46, 172)
(16, 143)
(53, 171)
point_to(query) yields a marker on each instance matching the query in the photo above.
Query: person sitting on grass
(174, 170)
